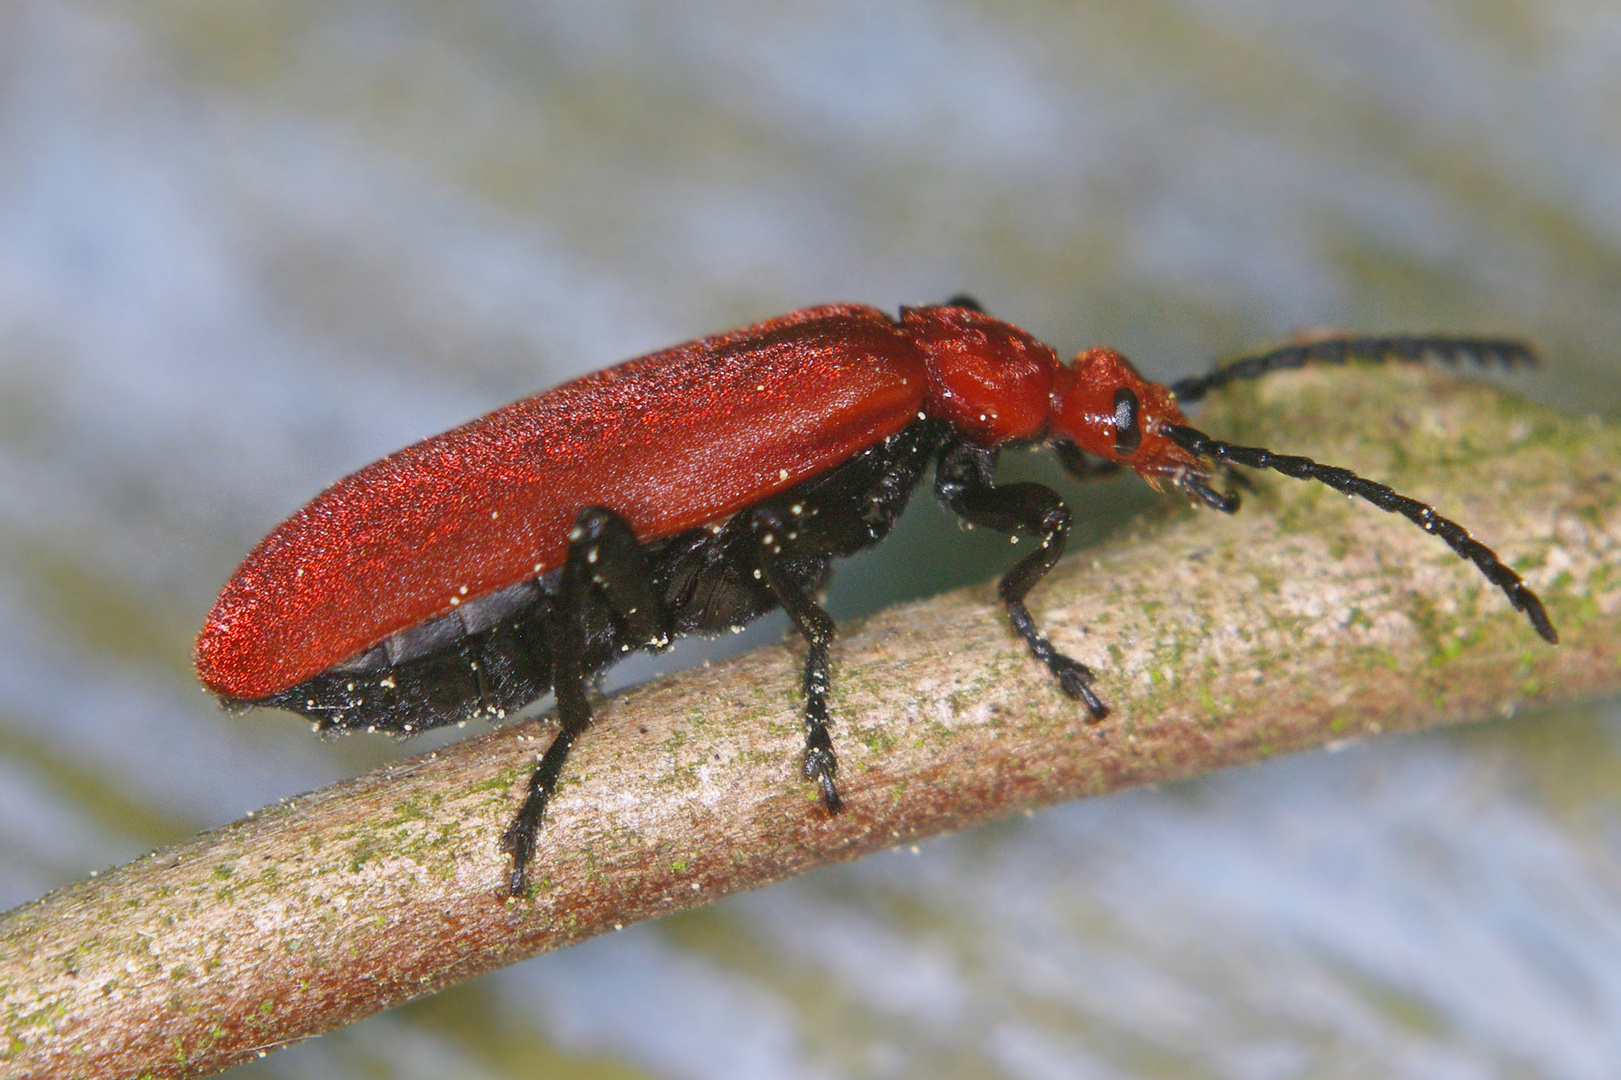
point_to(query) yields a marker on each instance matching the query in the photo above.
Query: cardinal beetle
(695, 489)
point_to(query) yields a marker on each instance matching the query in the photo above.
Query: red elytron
(693, 490)
(673, 440)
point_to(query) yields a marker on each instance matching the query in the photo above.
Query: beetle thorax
(988, 379)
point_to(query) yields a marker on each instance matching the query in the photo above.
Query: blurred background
(247, 247)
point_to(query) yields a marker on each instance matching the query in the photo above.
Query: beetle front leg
(964, 482)
(1081, 465)
(817, 628)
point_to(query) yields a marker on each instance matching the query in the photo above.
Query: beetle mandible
(697, 488)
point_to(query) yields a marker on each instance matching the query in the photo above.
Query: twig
(1300, 621)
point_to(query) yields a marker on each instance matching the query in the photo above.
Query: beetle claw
(1075, 679)
(820, 765)
(519, 842)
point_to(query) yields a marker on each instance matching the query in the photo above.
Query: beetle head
(1103, 406)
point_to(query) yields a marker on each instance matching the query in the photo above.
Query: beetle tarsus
(820, 765)
(519, 843)
(1075, 679)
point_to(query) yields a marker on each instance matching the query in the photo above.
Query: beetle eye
(1127, 435)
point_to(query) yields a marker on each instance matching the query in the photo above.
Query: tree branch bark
(1301, 621)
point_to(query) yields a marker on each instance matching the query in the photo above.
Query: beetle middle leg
(818, 628)
(964, 481)
(604, 559)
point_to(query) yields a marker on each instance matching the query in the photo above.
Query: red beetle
(694, 490)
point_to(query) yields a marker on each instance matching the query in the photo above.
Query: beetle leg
(603, 555)
(962, 300)
(817, 627)
(565, 640)
(964, 482)
(1081, 465)
(619, 567)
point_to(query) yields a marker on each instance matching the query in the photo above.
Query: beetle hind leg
(574, 714)
(604, 560)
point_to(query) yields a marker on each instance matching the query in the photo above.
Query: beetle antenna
(1382, 496)
(1449, 350)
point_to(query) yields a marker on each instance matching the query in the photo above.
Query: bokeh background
(247, 247)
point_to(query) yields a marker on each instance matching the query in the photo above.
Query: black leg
(603, 556)
(818, 628)
(618, 566)
(963, 300)
(565, 641)
(1081, 465)
(964, 481)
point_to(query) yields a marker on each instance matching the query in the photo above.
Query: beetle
(697, 488)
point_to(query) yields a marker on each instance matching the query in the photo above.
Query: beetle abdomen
(489, 657)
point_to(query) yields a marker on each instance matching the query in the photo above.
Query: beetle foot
(820, 765)
(1075, 679)
(519, 842)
